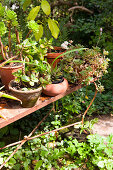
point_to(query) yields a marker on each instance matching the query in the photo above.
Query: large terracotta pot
(52, 55)
(56, 89)
(6, 74)
(28, 98)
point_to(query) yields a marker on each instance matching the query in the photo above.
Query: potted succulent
(85, 65)
(29, 82)
(59, 83)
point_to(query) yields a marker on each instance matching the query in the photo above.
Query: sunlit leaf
(53, 28)
(33, 13)
(46, 7)
(26, 4)
(39, 34)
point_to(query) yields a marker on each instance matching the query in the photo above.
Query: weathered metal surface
(14, 111)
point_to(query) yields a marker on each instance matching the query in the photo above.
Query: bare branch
(82, 8)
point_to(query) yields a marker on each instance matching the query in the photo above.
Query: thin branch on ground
(25, 139)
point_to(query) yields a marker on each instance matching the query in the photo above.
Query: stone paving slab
(104, 126)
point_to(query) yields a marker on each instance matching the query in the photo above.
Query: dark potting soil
(12, 64)
(19, 86)
(60, 80)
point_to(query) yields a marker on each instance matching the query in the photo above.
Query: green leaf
(53, 28)
(1, 160)
(46, 7)
(8, 96)
(32, 25)
(26, 4)
(33, 13)
(39, 34)
(3, 29)
(12, 161)
(25, 78)
(31, 83)
(38, 164)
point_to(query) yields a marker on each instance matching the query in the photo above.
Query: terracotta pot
(56, 89)
(52, 55)
(6, 74)
(28, 98)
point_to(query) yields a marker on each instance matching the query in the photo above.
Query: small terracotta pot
(28, 98)
(56, 89)
(52, 55)
(6, 74)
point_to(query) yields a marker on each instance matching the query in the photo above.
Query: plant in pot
(29, 82)
(9, 25)
(9, 38)
(54, 52)
(59, 83)
(85, 65)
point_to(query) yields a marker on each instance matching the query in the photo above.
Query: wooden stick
(55, 130)
(25, 139)
(90, 103)
(80, 8)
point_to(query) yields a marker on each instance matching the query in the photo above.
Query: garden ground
(104, 126)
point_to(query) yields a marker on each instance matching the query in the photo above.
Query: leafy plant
(85, 65)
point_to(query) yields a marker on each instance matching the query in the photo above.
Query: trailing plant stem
(90, 103)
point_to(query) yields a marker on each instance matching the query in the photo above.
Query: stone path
(104, 127)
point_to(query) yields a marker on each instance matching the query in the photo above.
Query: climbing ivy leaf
(53, 28)
(46, 7)
(33, 13)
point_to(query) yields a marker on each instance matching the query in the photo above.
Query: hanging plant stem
(90, 104)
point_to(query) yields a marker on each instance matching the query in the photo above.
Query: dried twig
(24, 140)
(82, 8)
(90, 103)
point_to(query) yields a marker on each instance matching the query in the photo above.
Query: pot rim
(11, 67)
(20, 91)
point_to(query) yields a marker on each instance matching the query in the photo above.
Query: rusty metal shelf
(14, 111)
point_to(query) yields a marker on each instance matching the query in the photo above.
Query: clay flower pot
(54, 54)
(6, 74)
(56, 89)
(28, 98)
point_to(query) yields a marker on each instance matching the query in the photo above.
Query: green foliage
(36, 74)
(42, 154)
(33, 13)
(46, 7)
(3, 28)
(53, 27)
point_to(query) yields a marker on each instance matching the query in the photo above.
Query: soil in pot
(54, 53)
(6, 73)
(28, 98)
(56, 88)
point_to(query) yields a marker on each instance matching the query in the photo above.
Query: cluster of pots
(29, 98)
